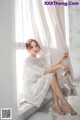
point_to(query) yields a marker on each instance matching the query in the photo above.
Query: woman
(38, 78)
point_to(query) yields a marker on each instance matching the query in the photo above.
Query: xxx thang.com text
(60, 3)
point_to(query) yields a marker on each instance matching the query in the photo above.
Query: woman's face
(34, 50)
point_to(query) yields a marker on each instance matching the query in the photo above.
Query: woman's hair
(28, 43)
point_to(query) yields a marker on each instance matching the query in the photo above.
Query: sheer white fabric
(36, 85)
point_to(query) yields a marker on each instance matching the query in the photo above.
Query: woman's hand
(65, 55)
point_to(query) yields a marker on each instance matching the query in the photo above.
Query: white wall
(7, 57)
(74, 33)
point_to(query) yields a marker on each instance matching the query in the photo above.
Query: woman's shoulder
(27, 59)
(30, 59)
(27, 62)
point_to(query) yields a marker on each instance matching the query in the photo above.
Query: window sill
(25, 109)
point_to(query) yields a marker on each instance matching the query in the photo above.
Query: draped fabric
(44, 23)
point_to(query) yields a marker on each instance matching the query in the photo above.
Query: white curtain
(44, 23)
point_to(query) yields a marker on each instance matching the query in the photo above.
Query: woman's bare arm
(57, 65)
(51, 69)
(54, 68)
(64, 56)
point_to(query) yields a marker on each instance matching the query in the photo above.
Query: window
(21, 31)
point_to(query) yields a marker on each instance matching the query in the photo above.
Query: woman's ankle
(54, 102)
(69, 109)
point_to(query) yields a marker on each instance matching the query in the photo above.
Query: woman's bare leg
(55, 100)
(56, 89)
(54, 95)
(55, 104)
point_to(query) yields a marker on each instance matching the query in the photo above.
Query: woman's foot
(55, 106)
(62, 108)
(67, 108)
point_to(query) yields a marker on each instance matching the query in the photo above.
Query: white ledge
(25, 109)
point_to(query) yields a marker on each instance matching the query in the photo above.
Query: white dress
(36, 85)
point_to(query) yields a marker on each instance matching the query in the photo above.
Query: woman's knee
(53, 81)
(53, 78)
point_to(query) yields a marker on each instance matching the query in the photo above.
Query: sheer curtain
(44, 23)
